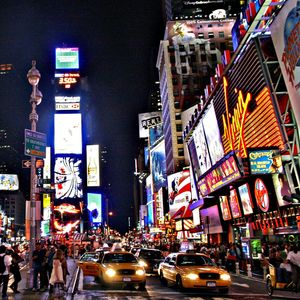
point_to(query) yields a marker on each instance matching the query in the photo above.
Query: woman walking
(57, 270)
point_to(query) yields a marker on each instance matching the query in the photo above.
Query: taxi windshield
(194, 260)
(119, 258)
(151, 254)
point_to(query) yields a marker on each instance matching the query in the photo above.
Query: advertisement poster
(282, 189)
(234, 204)
(155, 134)
(67, 134)
(265, 161)
(261, 195)
(68, 178)
(149, 200)
(194, 159)
(246, 199)
(158, 167)
(9, 182)
(213, 136)
(212, 223)
(179, 188)
(93, 165)
(146, 120)
(67, 58)
(286, 37)
(225, 208)
(201, 148)
(94, 205)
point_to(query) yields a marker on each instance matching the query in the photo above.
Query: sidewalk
(26, 292)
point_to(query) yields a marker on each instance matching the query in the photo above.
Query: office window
(171, 49)
(182, 59)
(178, 116)
(179, 140)
(194, 69)
(212, 46)
(185, 80)
(211, 35)
(178, 127)
(203, 57)
(181, 48)
(221, 34)
(180, 152)
(174, 81)
(192, 47)
(172, 59)
(209, 26)
(173, 70)
(176, 104)
(184, 70)
(175, 93)
(201, 35)
(202, 47)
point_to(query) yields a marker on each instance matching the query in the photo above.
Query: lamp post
(33, 77)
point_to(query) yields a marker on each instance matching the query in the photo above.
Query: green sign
(35, 143)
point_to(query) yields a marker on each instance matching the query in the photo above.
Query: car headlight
(110, 272)
(192, 276)
(225, 277)
(140, 272)
(143, 263)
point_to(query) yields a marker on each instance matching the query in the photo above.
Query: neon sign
(234, 123)
(67, 79)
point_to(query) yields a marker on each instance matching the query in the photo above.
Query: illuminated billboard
(146, 120)
(286, 38)
(234, 204)
(94, 205)
(211, 219)
(68, 178)
(158, 166)
(244, 107)
(92, 165)
(246, 199)
(67, 134)
(265, 161)
(150, 201)
(67, 84)
(225, 208)
(179, 188)
(67, 58)
(47, 169)
(9, 182)
(155, 134)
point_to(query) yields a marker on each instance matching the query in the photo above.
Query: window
(172, 59)
(211, 35)
(184, 70)
(175, 93)
(193, 58)
(178, 116)
(212, 46)
(209, 26)
(174, 81)
(179, 140)
(192, 47)
(171, 49)
(176, 104)
(185, 80)
(181, 48)
(194, 69)
(221, 34)
(180, 152)
(202, 47)
(201, 35)
(182, 58)
(173, 70)
(178, 127)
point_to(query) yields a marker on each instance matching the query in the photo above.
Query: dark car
(150, 259)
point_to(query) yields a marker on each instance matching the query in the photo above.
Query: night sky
(118, 42)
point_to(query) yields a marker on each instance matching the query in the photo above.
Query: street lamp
(33, 77)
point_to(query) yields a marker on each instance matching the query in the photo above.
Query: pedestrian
(294, 259)
(5, 262)
(49, 257)
(57, 270)
(15, 269)
(38, 259)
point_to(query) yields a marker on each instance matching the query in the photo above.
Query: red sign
(261, 195)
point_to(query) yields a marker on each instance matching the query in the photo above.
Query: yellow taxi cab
(194, 270)
(121, 267)
(89, 263)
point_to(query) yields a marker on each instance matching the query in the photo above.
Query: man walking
(5, 262)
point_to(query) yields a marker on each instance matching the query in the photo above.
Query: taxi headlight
(110, 272)
(192, 276)
(225, 277)
(140, 272)
(143, 263)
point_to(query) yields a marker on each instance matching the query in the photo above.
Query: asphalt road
(242, 288)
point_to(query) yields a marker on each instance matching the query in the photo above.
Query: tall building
(187, 61)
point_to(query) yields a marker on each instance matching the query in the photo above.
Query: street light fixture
(33, 77)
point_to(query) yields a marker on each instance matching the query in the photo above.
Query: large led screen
(66, 58)
(201, 148)
(155, 134)
(68, 177)
(67, 84)
(67, 134)
(95, 207)
(211, 218)
(9, 182)
(179, 188)
(149, 200)
(246, 199)
(158, 166)
(92, 165)
(213, 136)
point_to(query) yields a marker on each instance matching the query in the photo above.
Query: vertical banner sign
(93, 166)
(286, 37)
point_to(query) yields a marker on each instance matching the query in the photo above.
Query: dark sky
(118, 41)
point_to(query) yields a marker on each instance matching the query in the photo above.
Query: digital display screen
(225, 208)
(93, 166)
(155, 134)
(67, 84)
(213, 136)
(282, 188)
(265, 161)
(67, 134)
(158, 166)
(211, 219)
(68, 177)
(95, 207)
(9, 182)
(234, 204)
(67, 58)
(246, 199)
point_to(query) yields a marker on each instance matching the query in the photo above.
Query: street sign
(35, 143)
(26, 164)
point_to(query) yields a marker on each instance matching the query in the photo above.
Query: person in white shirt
(293, 258)
(4, 276)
